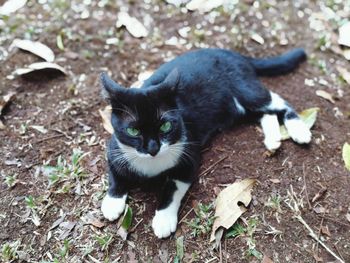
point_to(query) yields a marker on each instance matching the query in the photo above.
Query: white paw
(164, 223)
(113, 207)
(272, 145)
(298, 131)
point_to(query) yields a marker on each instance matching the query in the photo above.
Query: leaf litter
(36, 48)
(227, 209)
(39, 66)
(346, 155)
(11, 6)
(134, 26)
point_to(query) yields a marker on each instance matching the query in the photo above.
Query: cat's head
(146, 121)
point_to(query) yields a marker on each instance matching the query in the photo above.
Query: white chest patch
(149, 165)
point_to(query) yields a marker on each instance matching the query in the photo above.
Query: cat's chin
(148, 165)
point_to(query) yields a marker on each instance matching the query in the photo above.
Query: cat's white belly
(149, 165)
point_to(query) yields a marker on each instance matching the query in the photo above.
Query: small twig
(183, 218)
(334, 220)
(336, 248)
(212, 166)
(319, 234)
(305, 186)
(137, 224)
(294, 206)
(314, 236)
(50, 138)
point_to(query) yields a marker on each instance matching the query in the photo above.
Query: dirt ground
(40, 222)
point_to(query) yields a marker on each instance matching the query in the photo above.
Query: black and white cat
(161, 127)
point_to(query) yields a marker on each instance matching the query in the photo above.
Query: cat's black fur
(196, 92)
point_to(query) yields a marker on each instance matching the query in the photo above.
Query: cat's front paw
(113, 207)
(164, 223)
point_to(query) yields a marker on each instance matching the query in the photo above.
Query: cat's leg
(296, 128)
(113, 203)
(271, 130)
(165, 220)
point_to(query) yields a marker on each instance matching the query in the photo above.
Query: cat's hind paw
(164, 223)
(272, 145)
(113, 207)
(298, 131)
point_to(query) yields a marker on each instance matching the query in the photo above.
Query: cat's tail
(279, 65)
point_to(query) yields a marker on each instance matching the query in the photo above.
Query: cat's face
(149, 129)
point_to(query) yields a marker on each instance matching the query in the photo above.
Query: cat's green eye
(166, 127)
(133, 132)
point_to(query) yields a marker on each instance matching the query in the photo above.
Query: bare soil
(67, 106)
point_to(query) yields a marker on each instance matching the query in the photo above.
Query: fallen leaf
(67, 226)
(125, 223)
(204, 5)
(2, 125)
(134, 26)
(325, 231)
(4, 100)
(344, 36)
(275, 181)
(346, 155)
(319, 210)
(227, 210)
(308, 116)
(344, 74)
(257, 38)
(57, 222)
(346, 53)
(106, 118)
(11, 6)
(36, 48)
(319, 194)
(39, 128)
(90, 219)
(348, 217)
(177, 2)
(38, 66)
(325, 95)
(59, 42)
(266, 259)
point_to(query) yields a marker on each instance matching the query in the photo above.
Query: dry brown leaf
(344, 36)
(325, 231)
(11, 6)
(106, 118)
(204, 5)
(36, 48)
(90, 219)
(325, 95)
(344, 74)
(266, 259)
(227, 210)
(134, 26)
(37, 67)
(4, 100)
(257, 38)
(275, 181)
(177, 2)
(348, 217)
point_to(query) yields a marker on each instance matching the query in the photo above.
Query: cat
(160, 129)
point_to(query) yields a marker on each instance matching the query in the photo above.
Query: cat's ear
(172, 79)
(110, 88)
(168, 86)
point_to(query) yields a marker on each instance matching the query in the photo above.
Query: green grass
(66, 173)
(9, 251)
(247, 232)
(104, 241)
(203, 221)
